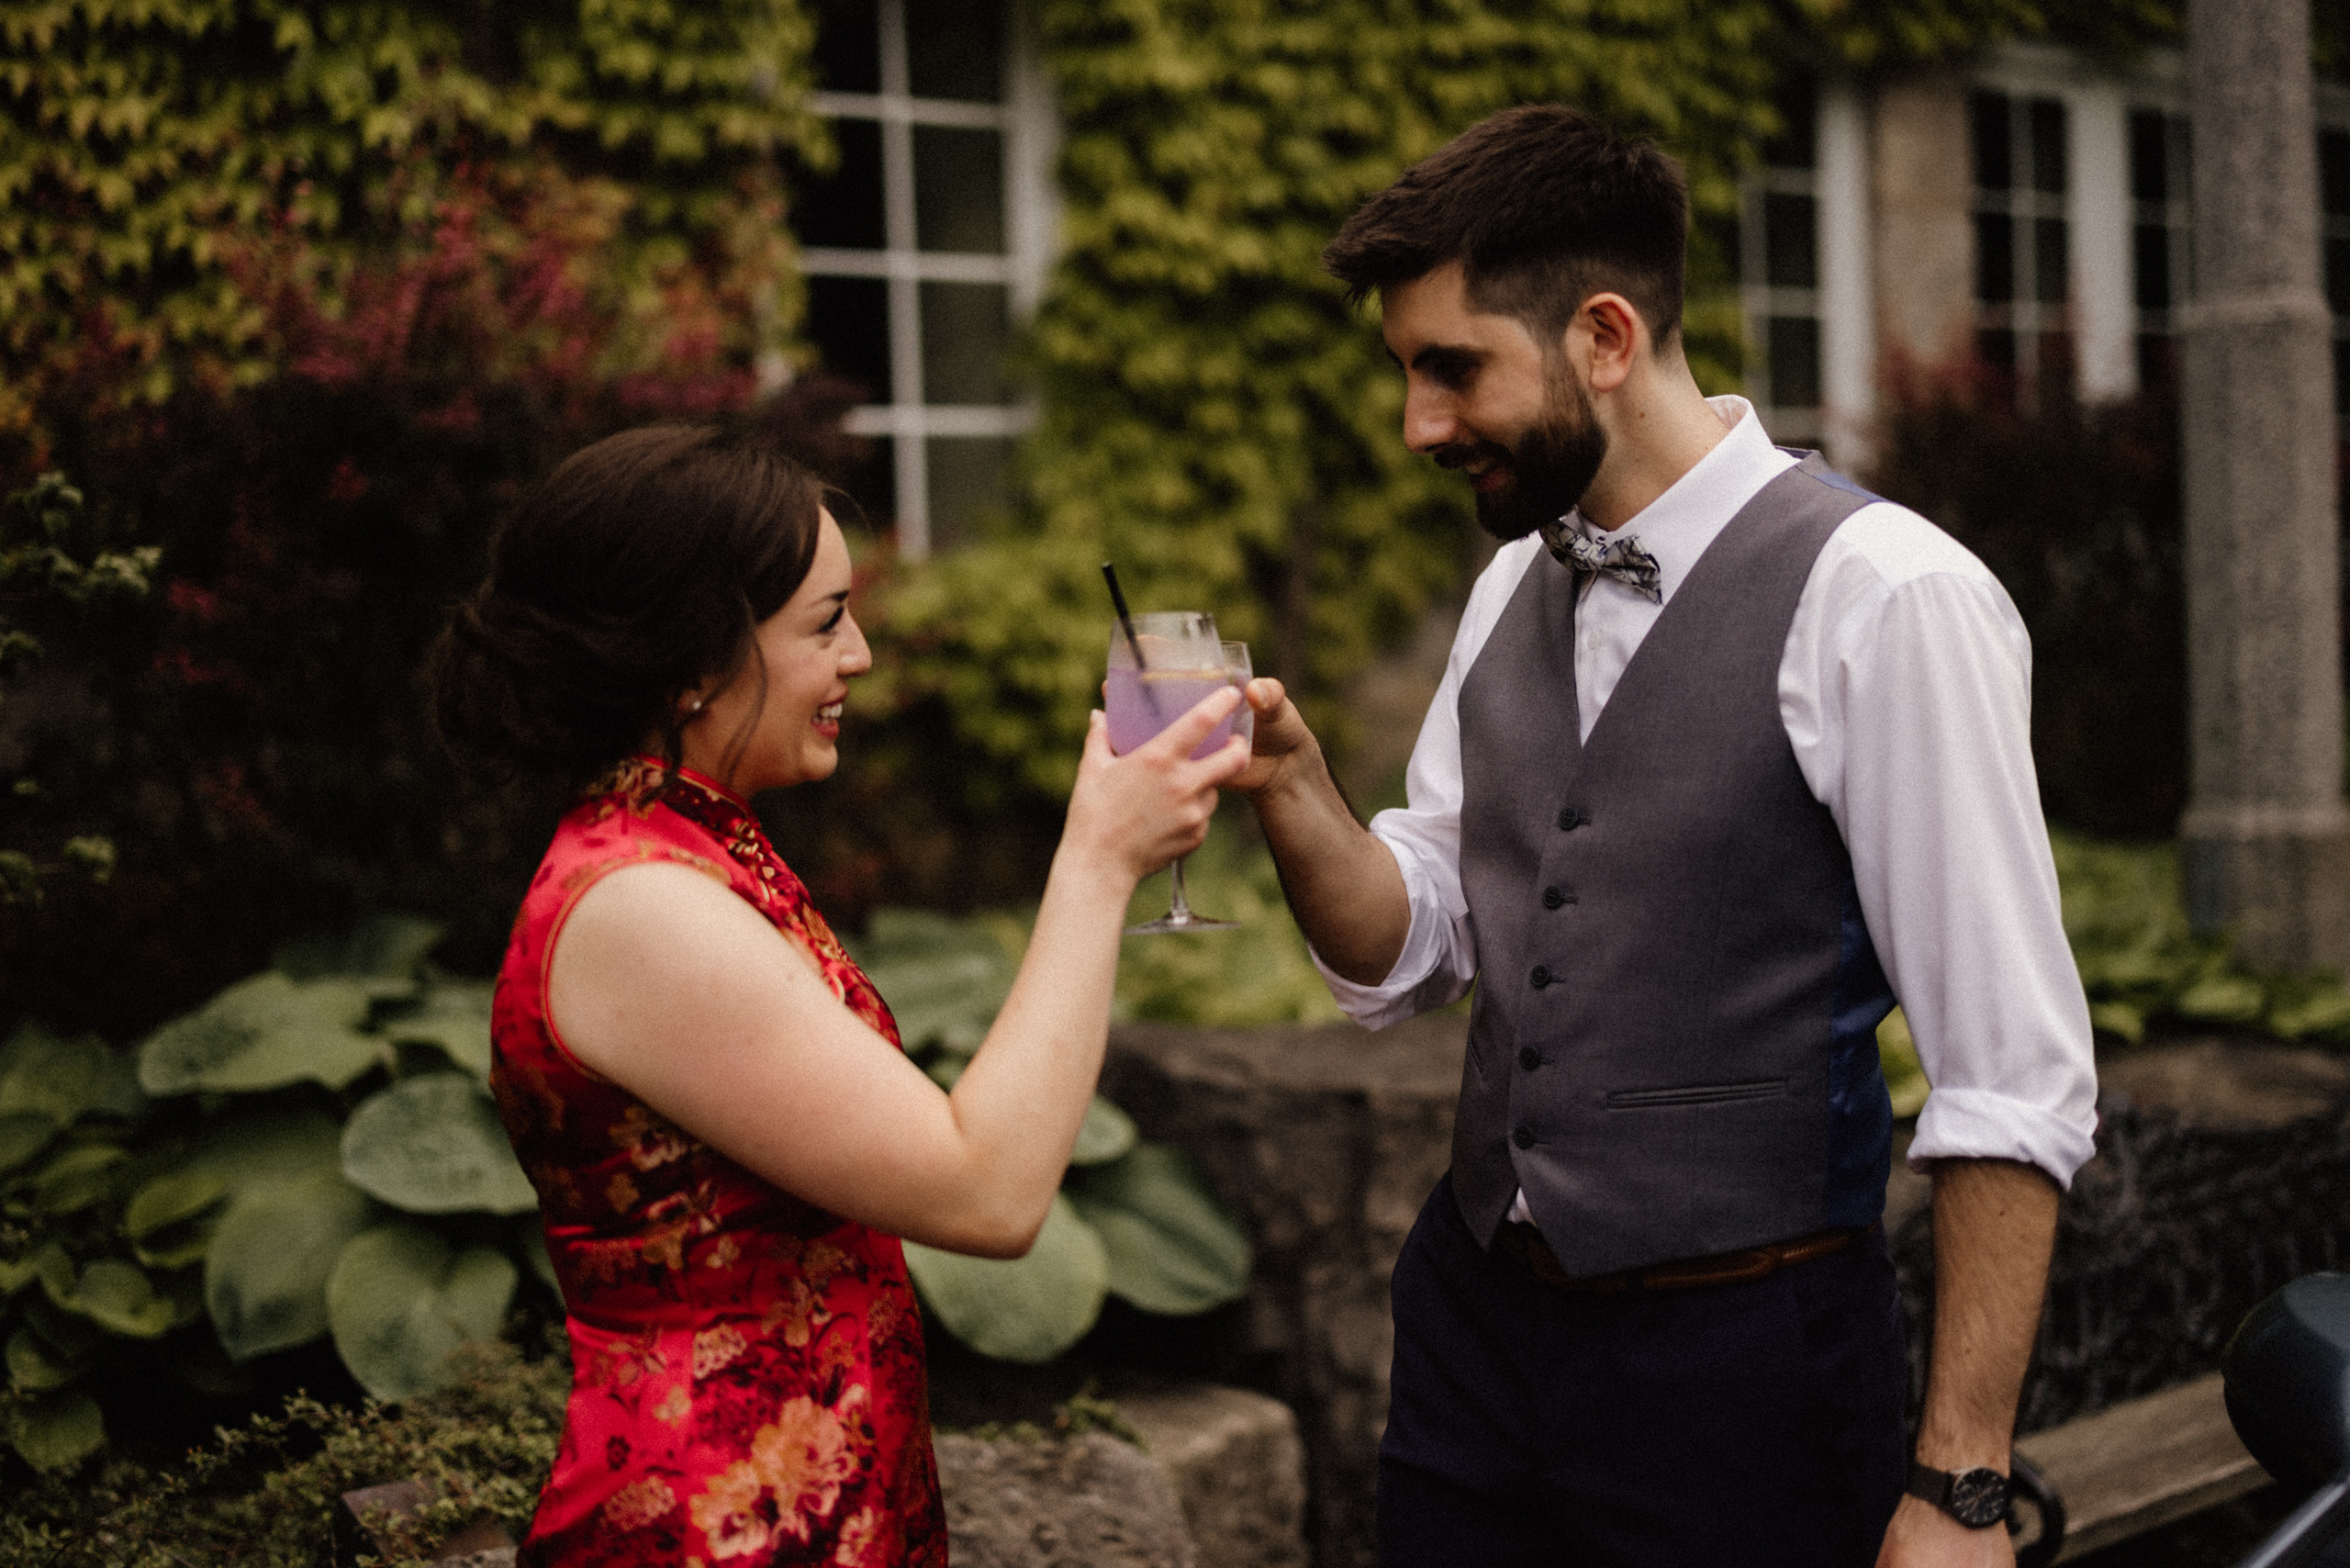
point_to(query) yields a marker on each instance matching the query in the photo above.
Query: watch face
(1978, 1498)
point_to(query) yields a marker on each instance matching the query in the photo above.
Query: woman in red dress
(726, 1139)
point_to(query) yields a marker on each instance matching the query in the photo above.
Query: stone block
(1085, 1502)
(1237, 1467)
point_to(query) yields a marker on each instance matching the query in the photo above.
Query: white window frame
(1030, 130)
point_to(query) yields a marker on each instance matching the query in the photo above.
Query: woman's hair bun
(635, 571)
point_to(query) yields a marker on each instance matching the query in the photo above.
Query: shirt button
(1528, 1057)
(1523, 1137)
(1552, 898)
(1541, 976)
(1571, 819)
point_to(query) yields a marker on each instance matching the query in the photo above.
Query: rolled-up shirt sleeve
(1924, 689)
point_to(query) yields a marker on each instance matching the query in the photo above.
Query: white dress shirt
(1906, 690)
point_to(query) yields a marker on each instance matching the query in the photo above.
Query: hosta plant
(1133, 1219)
(311, 1153)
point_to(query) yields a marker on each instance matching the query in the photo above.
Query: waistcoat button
(1528, 1057)
(1571, 819)
(1552, 898)
(1523, 1137)
(1541, 976)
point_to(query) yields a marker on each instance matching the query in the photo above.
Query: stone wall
(1325, 1142)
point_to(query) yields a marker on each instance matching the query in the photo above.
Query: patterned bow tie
(1622, 559)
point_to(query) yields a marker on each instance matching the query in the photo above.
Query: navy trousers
(1726, 1427)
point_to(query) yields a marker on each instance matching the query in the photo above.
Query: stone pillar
(2267, 836)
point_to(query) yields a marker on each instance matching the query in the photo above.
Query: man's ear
(1613, 336)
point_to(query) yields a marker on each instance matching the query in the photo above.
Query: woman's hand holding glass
(1143, 810)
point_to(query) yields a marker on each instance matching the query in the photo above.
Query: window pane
(872, 486)
(1795, 362)
(2334, 169)
(955, 50)
(2151, 245)
(964, 326)
(848, 320)
(2048, 254)
(968, 479)
(2340, 380)
(1996, 348)
(958, 189)
(2056, 359)
(1994, 165)
(1995, 258)
(2149, 156)
(1791, 241)
(848, 47)
(1794, 147)
(2337, 273)
(844, 208)
(2047, 146)
(2157, 362)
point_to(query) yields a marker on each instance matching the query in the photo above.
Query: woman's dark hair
(1544, 207)
(638, 569)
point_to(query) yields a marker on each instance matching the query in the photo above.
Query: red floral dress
(748, 1379)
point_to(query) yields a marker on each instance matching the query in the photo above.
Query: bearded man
(1729, 755)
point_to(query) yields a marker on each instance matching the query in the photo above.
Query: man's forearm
(1342, 884)
(1995, 1226)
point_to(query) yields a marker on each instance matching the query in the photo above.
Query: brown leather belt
(1524, 1243)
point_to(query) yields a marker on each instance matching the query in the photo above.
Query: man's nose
(1429, 420)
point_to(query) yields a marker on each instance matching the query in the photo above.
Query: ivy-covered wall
(146, 142)
(1215, 420)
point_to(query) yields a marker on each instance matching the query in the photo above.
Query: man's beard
(1549, 468)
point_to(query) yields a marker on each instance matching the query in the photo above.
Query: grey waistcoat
(1675, 993)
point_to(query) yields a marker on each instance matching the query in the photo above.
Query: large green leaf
(170, 1220)
(264, 1033)
(267, 1141)
(453, 1015)
(118, 1297)
(943, 979)
(1021, 1309)
(401, 1299)
(24, 1134)
(384, 946)
(434, 1145)
(77, 1178)
(1106, 1134)
(63, 1081)
(36, 1366)
(265, 1277)
(59, 1431)
(530, 1243)
(1172, 1248)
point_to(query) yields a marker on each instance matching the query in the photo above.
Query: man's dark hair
(1544, 207)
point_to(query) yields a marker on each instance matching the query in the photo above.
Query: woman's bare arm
(674, 987)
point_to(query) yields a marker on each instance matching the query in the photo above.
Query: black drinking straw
(1125, 621)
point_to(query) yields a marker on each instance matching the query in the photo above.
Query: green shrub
(263, 1494)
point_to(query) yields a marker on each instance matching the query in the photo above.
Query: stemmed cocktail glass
(1181, 661)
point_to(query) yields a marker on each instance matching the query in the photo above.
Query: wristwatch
(1976, 1499)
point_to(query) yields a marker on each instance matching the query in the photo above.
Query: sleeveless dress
(749, 1386)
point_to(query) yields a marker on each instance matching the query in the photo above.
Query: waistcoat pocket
(1695, 1094)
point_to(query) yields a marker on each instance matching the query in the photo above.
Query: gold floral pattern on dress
(748, 1386)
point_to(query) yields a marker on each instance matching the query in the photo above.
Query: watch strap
(1976, 1499)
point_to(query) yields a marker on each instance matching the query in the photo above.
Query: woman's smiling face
(809, 650)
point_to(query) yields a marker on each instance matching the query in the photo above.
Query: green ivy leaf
(1022, 1309)
(265, 1277)
(267, 1142)
(434, 1145)
(401, 1299)
(59, 1431)
(62, 1079)
(23, 1135)
(1170, 1246)
(264, 1033)
(384, 946)
(1106, 1134)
